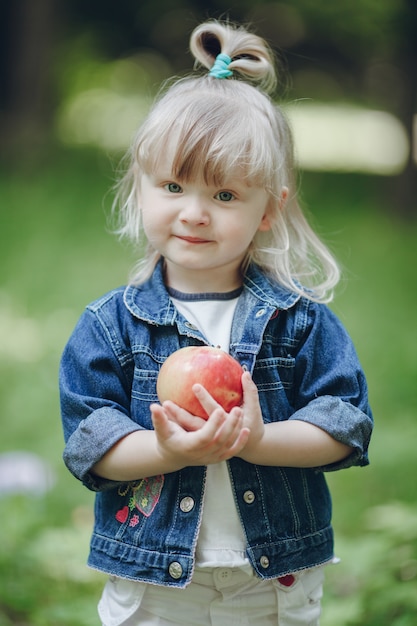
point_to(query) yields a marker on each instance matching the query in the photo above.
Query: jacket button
(260, 313)
(264, 561)
(249, 496)
(175, 570)
(187, 504)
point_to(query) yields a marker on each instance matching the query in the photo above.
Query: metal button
(187, 504)
(264, 561)
(260, 313)
(175, 570)
(249, 496)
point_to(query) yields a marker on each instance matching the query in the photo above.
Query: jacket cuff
(345, 423)
(95, 436)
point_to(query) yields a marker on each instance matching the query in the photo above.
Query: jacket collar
(151, 302)
(266, 289)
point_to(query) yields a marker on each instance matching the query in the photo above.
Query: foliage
(43, 577)
(377, 581)
(57, 255)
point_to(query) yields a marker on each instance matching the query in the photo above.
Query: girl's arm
(290, 443)
(170, 448)
(294, 443)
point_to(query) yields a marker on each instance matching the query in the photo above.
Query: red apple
(213, 368)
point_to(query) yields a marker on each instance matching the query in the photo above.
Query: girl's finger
(183, 418)
(207, 401)
(238, 445)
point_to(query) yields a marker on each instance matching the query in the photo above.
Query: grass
(57, 255)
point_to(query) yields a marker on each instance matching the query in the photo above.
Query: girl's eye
(225, 196)
(173, 188)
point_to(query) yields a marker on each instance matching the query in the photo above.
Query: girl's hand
(252, 420)
(219, 438)
(252, 414)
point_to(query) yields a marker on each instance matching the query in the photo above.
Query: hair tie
(220, 67)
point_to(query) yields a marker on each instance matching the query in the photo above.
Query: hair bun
(251, 56)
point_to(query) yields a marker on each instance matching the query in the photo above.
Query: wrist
(252, 452)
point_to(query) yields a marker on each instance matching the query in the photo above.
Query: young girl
(225, 521)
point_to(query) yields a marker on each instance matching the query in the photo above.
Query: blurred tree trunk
(405, 186)
(26, 102)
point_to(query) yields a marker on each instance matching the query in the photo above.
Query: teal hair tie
(220, 67)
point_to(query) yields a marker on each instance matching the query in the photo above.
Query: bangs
(210, 137)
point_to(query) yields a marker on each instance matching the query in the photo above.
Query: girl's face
(203, 231)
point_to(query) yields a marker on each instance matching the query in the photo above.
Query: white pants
(215, 597)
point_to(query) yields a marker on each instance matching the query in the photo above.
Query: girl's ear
(283, 198)
(268, 217)
(266, 222)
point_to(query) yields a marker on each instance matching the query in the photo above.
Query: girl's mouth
(195, 240)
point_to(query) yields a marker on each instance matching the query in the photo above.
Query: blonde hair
(215, 126)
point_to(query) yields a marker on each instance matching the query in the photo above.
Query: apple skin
(211, 367)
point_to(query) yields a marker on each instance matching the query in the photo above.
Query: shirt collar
(150, 301)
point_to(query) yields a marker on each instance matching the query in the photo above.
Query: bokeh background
(76, 78)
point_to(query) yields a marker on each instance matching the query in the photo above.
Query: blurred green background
(77, 78)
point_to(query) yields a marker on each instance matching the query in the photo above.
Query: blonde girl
(225, 520)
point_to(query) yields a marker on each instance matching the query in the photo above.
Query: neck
(202, 282)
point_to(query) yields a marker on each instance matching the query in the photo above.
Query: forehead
(201, 160)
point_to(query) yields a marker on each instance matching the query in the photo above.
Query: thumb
(250, 390)
(159, 420)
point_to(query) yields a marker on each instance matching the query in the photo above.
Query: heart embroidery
(122, 515)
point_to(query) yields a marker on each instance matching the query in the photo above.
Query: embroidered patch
(144, 497)
(146, 494)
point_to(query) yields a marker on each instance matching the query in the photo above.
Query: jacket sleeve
(95, 382)
(331, 386)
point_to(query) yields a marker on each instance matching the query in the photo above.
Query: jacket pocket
(274, 378)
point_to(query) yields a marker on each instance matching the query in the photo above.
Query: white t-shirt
(221, 540)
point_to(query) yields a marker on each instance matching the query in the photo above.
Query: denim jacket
(305, 367)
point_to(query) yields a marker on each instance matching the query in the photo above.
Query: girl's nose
(194, 212)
